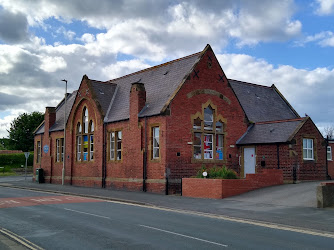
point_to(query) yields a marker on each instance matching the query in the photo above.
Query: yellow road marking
(20, 239)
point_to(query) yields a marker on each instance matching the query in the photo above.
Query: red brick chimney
(137, 100)
(49, 118)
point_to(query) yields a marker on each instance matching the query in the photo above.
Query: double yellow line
(20, 239)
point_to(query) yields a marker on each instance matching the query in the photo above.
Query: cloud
(302, 88)
(326, 7)
(52, 64)
(122, 68)
(13, 27)
(7, 101)
(324, 39)
(164, 23)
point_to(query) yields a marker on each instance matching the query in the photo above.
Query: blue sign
(46, 148)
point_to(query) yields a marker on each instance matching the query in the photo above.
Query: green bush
(16, 160)
(217, 173)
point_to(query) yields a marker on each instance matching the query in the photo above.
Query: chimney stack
(137, 100)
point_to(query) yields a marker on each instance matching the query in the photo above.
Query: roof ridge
(106, 82)
(156, 66)
(280, 121)
(249, 83)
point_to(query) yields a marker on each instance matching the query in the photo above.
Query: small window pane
(197, 146)
(91, 153)
(85, 120)
(208, 118)
(208, 152)
(112, 146)
(219, 147)
(79, 130)
(197, 123)
(79, 148)
(219, 127)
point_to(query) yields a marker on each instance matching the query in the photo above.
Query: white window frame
(39, 152)
(308, 149)
(208, 151)
(112, 146)
(79, 142)
(329, 153)
(57, 150)
(155, 142)
(115, 153)
(119, 149)
(91, 147)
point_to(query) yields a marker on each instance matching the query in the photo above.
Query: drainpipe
(145, 156)
(278, 165)
(104, 157)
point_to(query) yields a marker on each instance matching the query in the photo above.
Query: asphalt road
(68, 222)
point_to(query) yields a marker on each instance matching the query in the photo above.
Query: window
(60, 150)
(116, 145)
(329, 153)
(308, 149)
(85, 138)
(155, 143)
(208, 136)
(38, 159)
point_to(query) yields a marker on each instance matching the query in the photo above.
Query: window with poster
(208, 134)
(85, 138)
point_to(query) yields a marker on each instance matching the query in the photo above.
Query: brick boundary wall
(4, 152)
(223, 188)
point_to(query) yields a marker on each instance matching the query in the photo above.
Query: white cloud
(326, 7)
(52, 64)
(122, 68)
(324, 39)
(308, 91)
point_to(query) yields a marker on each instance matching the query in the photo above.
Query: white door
(249, 161)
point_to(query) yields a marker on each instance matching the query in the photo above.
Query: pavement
(292, 205)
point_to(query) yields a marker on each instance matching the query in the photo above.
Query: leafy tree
(22, 128)
(5, 144)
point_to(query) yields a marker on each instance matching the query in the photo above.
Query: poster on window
(85, 147)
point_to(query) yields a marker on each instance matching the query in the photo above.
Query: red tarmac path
(43, 200)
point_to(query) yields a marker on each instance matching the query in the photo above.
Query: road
(54, 221)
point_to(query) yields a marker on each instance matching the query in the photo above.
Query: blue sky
(287, 43)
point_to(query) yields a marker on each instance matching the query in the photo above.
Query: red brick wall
(84, 173)
(5, 152)
(179, 123)
(291, 155)
(223, 188)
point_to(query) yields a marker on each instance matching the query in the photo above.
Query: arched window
(85, 138)
(208, 135)
(85, 120)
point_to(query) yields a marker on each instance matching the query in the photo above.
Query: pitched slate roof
(271, 132)
(103, 93)
(59, 124)
(160, 83)
(262, 103)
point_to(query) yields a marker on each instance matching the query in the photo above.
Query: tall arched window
(208, 135)
(85, 138)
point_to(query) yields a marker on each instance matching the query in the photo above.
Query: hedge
(16, 160)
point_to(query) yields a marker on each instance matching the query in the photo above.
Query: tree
(22, 128)
(329, 131)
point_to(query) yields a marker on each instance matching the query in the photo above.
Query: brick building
(149, 129)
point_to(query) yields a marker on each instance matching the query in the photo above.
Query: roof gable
(262, 103)
(161, 84)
